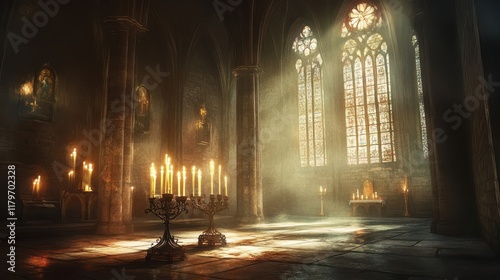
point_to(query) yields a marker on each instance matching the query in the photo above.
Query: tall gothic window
(420, 92)
(367, 88)
(310, 99)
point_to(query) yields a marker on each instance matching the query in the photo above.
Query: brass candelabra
(166, 208)
(215, 204)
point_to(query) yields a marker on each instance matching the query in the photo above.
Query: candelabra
(166, 208)
(215, 204)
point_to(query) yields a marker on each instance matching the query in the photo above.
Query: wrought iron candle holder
(215, 204)
(166, 208)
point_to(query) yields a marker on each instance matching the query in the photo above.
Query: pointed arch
(309, 67)
(367, 87)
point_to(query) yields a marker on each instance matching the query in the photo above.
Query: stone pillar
(114, 215)
(249, 187)
(453, 185)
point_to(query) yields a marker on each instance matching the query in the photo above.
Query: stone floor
(295, 248)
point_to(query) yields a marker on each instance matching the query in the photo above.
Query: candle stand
(407, 212)
(215, 204)
(166, 208)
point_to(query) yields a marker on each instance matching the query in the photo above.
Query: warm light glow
(362, 16)
(26, 88)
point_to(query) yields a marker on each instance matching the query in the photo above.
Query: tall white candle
(225, 185)
(91, 168)
(193, 170)
(212, 167)
(73, 155)
(199, 182)
(220, 168)
(162, 191)
(151, 181)
(178, 183)
(183, 181)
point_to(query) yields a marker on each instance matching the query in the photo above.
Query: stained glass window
(310, 99)
(420, 92)
(367, 89)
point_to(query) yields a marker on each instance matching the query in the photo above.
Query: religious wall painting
(37, 95)
(203, 127)
(142, 112)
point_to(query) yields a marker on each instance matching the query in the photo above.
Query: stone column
(249, 187)
(453, 185)
(114, 215)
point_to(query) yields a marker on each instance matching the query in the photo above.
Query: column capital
(122, 23)
(243, 70)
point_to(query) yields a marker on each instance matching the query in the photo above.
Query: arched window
(367, 88)
(310, 98)
(420, 92)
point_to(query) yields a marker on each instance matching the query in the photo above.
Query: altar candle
(73, 155)
(362, 197)
(212, 176)
(178, 183)
(353, 196)
(376, 195)
(220, 168)
(193, 170)
(34, 188)
(90, 176)
(199, 182)
(225, 185)
(161, 180)
(38, 185)
(183, 181)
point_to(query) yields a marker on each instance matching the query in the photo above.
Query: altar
(372, 207)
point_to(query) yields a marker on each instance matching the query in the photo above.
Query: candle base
(166, 208)
(215, 204)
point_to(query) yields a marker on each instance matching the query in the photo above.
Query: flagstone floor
(294, 248)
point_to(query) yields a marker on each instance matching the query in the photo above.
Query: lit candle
(376, 195)
(193, 170)
(362, 197)
(73, 155)
(225, 185)
(357, 193)
(183, 181)
(212, 177)
(91, 168)
(353, 196)
(38, 185)
(178, 183)
(152, 186)
(199, 182)
(171, 184)
(34, 188)
(84, 174)
(162, 191)
(167, 177)
(219, 179)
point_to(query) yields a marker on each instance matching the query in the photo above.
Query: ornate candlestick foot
(167, 209)
(211, 236)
